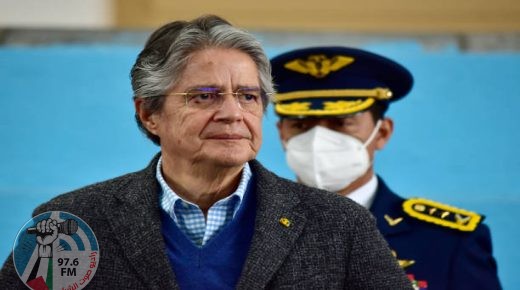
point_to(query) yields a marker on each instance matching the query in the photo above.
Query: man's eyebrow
(204, 88)
(215, 88)
(248, 88)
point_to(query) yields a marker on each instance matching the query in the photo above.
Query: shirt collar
(168, 197)
(365, 194)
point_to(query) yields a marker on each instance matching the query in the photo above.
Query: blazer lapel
(277, 226)
(387, 209)
(134, 217)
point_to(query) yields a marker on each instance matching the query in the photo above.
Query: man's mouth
(225, 136)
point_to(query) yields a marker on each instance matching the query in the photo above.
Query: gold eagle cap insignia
(319, 66)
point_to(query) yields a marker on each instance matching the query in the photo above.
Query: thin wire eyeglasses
(248, 99)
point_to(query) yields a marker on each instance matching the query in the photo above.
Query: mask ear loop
(373, 134)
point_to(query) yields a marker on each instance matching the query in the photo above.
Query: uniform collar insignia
(403, 263)
(393, 222)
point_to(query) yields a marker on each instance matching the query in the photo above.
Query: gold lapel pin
(285, 222)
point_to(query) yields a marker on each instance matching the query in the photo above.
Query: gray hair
(166, 53)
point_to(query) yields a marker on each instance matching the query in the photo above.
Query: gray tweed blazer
(331, 243)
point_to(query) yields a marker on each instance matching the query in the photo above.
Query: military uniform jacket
(303, 238)
(440, 257)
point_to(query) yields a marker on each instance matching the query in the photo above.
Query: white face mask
(327, 159)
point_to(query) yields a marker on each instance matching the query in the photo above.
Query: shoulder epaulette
(442, 214)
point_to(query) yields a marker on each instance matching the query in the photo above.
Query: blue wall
(68, 121)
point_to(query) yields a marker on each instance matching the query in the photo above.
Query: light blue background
(68, 122)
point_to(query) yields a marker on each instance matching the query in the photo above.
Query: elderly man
(204, 214)
(331, 102)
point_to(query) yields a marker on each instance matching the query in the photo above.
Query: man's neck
(365, 194)
(202, 184)
(364, 179)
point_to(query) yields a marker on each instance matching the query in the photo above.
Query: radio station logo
(56, 250)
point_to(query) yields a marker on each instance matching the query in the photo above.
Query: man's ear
(385, 132)
(148, 120)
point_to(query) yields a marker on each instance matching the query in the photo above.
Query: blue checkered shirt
(189, 217)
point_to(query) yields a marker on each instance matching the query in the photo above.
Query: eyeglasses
(248, 99)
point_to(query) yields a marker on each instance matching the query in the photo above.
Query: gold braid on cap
(377, 93)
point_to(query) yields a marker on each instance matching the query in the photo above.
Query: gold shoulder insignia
(442, 214)
(319, 66)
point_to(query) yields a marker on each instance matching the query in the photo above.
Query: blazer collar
(134, 217)
(386, 203)
(278, 224)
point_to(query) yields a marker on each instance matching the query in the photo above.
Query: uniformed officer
(332, 102)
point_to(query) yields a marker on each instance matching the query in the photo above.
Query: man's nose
(229, 110)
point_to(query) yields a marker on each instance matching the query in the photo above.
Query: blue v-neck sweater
(218, 264)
